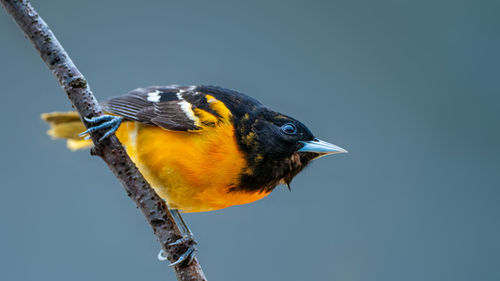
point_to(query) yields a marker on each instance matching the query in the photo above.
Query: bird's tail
(67, 125)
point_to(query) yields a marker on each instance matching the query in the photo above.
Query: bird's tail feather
(67, 125)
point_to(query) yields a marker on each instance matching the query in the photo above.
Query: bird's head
(278, 147)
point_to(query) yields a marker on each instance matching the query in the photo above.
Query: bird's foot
(187, 257)
(109, 123)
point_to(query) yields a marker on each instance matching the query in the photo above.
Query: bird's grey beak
(322, 147)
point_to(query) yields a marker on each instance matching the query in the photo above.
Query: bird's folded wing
(169, 107)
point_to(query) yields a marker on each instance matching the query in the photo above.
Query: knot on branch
(78, 82)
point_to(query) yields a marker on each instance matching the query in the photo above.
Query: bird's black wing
(169, 107)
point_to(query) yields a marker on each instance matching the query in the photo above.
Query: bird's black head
(277, 148)
(279, 136)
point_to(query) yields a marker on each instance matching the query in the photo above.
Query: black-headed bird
(201, 148)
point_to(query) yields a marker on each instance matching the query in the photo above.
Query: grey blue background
(410, 88)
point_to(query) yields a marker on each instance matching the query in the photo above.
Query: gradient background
(410, 88)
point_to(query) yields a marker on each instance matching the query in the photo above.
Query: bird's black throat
(266, 174)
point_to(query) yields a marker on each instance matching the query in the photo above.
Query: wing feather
(169, 107)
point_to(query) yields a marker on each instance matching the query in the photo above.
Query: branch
(110, 150)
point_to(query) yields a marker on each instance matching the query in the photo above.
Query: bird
(202, 148)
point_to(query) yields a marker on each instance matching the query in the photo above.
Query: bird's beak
(321, 147)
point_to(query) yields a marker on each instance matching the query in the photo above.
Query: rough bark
(110, 150)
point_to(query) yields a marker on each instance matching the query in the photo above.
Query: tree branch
(110, 150)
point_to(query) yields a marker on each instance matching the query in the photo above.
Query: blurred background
(410, 88)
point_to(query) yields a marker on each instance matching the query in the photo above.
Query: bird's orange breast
(193, 171)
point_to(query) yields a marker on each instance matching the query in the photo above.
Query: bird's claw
(188, 239)
(188, 256)
(109, 123)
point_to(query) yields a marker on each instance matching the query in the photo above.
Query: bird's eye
(289, 129)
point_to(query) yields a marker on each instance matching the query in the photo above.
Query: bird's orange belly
(192, 171)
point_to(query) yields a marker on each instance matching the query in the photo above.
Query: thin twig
(110, 150)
